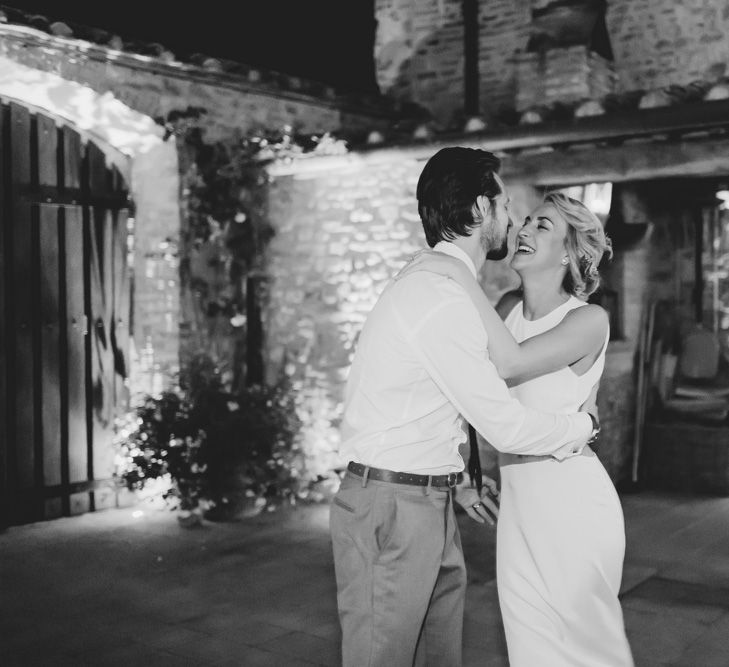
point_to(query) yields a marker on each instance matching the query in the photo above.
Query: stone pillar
(155, 188)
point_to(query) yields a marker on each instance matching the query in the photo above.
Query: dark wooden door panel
(5, 219)
(102, 363)
(50, 339)
(72, 157)
(47, 153)
(20, 121)
(64, 303)
(76, 330)
(121, 312)
(99, 175)
(21, 351)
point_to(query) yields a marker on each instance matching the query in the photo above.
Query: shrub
(227, 454)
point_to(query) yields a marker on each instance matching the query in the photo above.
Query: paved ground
(114, 589)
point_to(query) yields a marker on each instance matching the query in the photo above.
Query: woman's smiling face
(540, 243)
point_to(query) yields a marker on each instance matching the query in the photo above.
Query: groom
(421, 368)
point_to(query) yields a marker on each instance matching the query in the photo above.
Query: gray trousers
(401, 577)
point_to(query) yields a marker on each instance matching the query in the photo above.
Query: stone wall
(419, 53)
(658, 43)
(234, 104)
(156, 302)
(565, 75)
(340, 236)
(503, 33)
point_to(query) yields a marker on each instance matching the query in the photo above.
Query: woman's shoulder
(508, 301)
(589, 315)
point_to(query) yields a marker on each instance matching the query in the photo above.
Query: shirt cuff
(575, 447)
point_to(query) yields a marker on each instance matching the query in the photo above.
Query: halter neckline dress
(560, 536)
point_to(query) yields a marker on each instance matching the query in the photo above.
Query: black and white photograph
(364, 333)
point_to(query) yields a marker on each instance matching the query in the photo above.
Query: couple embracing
(433, 354)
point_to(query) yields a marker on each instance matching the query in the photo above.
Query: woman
(560, 535)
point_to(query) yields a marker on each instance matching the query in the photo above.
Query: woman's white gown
(560, 537)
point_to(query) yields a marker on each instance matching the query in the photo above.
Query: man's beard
(498, 253)
(489, 244)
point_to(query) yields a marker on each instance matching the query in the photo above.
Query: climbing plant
(225, 232)
(225, 439)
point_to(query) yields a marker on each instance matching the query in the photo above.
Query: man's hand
(483, 508)
(436, 262)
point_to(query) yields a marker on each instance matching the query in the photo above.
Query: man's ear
(483, 205)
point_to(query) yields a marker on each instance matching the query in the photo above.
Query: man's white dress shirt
(421, 367)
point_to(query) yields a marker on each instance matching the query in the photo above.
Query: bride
(560, 536)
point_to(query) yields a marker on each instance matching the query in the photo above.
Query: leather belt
(361, 470)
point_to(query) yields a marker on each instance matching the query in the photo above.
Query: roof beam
(626, 162)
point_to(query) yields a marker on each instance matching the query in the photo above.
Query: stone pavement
(112, 588)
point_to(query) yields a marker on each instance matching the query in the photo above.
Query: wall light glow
(596, 196)
(724, 196)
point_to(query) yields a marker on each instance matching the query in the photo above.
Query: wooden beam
(627, 162)
(658, 124)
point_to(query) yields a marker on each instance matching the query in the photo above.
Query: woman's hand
(436, 262)
(483, 507)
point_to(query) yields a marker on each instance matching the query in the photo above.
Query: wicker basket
(680, 456)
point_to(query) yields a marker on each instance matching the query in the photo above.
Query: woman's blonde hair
(586, 244)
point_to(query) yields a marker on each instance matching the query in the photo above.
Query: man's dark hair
(448, 186)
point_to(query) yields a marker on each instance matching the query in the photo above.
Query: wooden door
(64, 301)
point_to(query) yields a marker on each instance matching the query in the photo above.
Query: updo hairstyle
(586, 244)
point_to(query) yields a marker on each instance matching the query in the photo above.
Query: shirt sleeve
(453, 347)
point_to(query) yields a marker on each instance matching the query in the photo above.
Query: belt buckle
(452, 480)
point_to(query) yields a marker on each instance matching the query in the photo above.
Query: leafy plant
(159, 439)
(226, 454)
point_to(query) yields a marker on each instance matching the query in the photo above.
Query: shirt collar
(454, 251)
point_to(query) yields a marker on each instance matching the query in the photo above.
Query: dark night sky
(327, 40)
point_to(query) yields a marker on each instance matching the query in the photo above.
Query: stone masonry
(340, 236)
(656, 44)
(563, 75)
(233, 104)
(503, 33)
(659, 43)
(419, 53)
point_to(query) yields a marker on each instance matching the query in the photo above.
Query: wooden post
(698, 266)
(469, 9)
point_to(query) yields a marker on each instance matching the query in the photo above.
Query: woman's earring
(564, 261)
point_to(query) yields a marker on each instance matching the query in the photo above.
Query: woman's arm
(582, 332)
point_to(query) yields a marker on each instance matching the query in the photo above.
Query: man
(420, 368)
